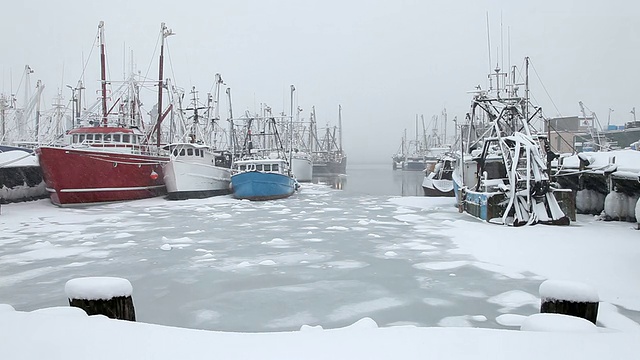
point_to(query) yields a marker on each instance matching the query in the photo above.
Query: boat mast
(39, 88)
(444, 115)
(103, 74)
(232, 132)
(3, 106)
(164, 33)
(293, 88)
(340, 126)
(526, 88)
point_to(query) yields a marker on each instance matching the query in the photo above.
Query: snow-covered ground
(418, 272)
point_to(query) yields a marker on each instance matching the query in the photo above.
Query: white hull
(196, 177)
(302, 168)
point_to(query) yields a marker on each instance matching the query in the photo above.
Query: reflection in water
(375, 179)
(409, 182)
(336, 181)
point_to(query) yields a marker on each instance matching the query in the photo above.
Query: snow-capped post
(569, 298)
(109, 296)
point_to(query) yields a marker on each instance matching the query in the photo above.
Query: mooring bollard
(569, 298)
(109, 296)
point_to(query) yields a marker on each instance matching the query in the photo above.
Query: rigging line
(170, 62)
(86, 63)
(146, 75)
(544, 87)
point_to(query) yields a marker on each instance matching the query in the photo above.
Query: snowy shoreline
(389, 230)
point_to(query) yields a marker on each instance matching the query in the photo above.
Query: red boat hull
(85, 176)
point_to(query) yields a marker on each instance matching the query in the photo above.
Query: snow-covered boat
(439, 182)
(20, 175)
(502, 175)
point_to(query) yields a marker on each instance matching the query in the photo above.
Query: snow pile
(620, 206)
(62, 311)
(95, 288)
(626, 160)
(589, 202)
(37, 336)
(17, 158)
(557, 323)
(568, 290)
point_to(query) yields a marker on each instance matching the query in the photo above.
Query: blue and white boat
(262, 179)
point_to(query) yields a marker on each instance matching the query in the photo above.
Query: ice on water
(319, 258)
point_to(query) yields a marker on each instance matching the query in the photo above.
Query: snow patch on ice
(441, 265)
(514, 299)
(510, 320)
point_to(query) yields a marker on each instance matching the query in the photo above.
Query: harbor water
(329, 255)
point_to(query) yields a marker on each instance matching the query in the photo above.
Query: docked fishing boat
(108, 158)
(501, 175)
(439, 182)
(195, 168)
(329, 159)
(20, 175)
(196, 171)
(263, 173)
(262, 179)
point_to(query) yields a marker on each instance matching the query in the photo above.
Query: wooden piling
(569, 298)
(106, 296)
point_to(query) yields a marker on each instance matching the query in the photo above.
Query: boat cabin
(278, 166)
(112, 139)
(195, 151)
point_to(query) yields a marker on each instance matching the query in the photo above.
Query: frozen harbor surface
(322, 257)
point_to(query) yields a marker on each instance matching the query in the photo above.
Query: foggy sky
(383, 61)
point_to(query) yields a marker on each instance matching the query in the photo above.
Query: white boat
(196, 171)
(302, 166)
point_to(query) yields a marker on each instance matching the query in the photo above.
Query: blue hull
(255, 185)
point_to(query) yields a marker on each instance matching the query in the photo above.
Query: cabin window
(81, 138)
(126, 138)
(97, 137)
(116, 137)
(197, 152)
(107, 137)
(190, 152)
(259, 167)
(243, 167)
(134, 140)
(75, 138)
(181, 152)
(274, 167)
(89, 137)
(175, 152)
(267, 167)
(202, 153)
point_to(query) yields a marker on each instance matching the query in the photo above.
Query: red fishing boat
(110, 159)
